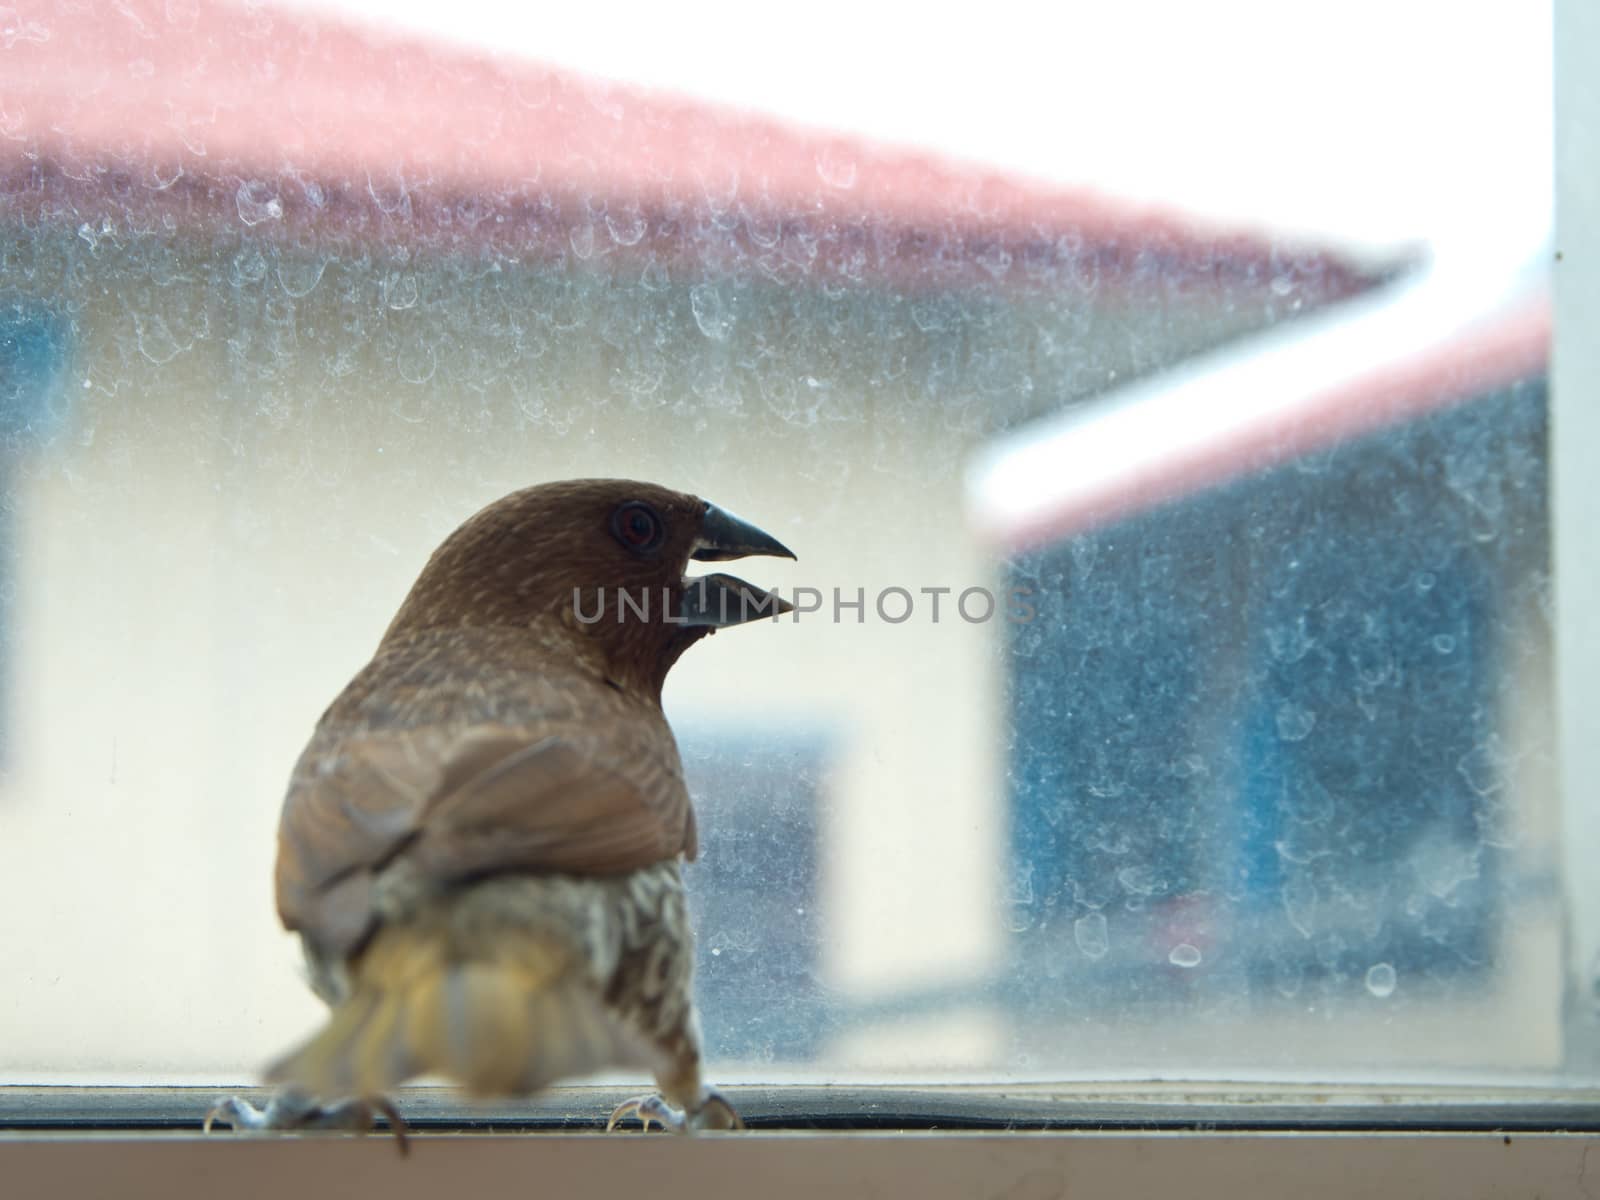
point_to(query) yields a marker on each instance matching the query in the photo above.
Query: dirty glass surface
(1258, 782)
(1285, 761)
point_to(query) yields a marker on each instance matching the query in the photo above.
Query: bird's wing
(561, 795)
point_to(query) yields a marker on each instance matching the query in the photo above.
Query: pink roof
(205, 110)
(1384, 360)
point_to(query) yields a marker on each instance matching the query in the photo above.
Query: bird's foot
(713, 1112)
(292, 1110)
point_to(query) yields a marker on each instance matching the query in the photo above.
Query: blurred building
(282, 301)
(1287, 756)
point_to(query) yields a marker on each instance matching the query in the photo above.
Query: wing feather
(522, 770)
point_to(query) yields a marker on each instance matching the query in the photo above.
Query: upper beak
(724, 536)
(721, 600)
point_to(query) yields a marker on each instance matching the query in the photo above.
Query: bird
(481, 845)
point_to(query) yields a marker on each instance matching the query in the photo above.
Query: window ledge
(1081, 1107)
(142, 1142)
(1098, 1108)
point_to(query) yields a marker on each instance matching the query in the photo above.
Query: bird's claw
(237, 1113)
(291, 1110)
(713, 1112)
(646, 1109)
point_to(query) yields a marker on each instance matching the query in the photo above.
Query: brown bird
(480, 846)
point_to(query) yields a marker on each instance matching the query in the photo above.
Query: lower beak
(718, 601)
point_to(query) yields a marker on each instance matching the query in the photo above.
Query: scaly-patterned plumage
(480, 846)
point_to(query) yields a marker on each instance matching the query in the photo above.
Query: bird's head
(600, 566)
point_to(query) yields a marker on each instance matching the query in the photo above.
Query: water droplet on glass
(654, 277)
(1381, 980)
(994, 259)
(1090, 932)
(299, 276)
(1184, 955)
(712, 312)
(1483, 767)
(1019, 887)
(278, 311)
(764, 228)
(163, 176)
(928, 315)
(156, 341)
(1442, 863)
(1140, 880)
(1295, 722)
(400, 291)
(626, 226)
(1289, 642)
(1018, 919)
(416, 362)
(639, 382)
(389, 194)
(1499, 822)
(785, 398)
(258, 201)
(249, 266)
(1299, 896)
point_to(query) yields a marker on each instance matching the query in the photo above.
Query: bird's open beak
(717, 601)
(724, 536)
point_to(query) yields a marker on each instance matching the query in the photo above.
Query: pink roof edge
(209, 110)
(1387, 359)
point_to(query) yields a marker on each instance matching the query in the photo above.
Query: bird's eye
(638, 527)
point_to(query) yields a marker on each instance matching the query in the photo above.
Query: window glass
(1283, 764)
(1244, 770)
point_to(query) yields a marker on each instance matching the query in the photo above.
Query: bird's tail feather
(504, 1024)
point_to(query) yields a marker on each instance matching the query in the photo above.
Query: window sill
(1019, 1108)
(1025, 1143)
